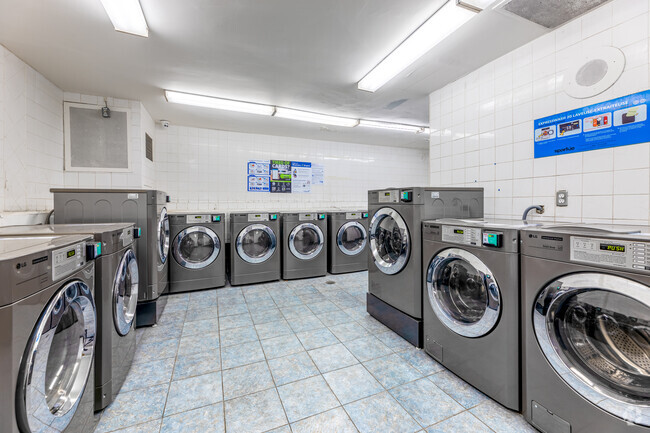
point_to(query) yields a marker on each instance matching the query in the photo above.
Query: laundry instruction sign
(281, 176)
(618, 122)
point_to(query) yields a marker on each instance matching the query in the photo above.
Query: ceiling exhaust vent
(551, 13)
(595, 72)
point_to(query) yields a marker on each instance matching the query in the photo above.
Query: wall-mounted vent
(551, 13)
(149, 147)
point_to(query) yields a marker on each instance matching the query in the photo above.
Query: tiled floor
(299, 356)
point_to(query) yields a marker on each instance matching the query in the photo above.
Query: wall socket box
(562, 198)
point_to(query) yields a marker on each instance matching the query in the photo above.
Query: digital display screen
(613, 248)
(198, 217)
(459, 231)
(490, 239)
(386, 194)
(71, 253)
(257, 216)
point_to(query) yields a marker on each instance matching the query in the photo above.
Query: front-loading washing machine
(48, 325)
(348, 239)
(471, 302)
(116, 296)
(147, 210)
(198, 261)
(395, 260)
(586, 329)
(304, 245)
(254, 248)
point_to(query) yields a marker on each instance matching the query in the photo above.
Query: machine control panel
(461, 235)
(307, 216)
(406, 196)
(391, 196)
(197, 219)
(611, 252)
(216, 218)
(260, 217)
(66, 261)
(492, 239)
(355, 215)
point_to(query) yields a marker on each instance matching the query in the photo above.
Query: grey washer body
(549, 402)
(113, 351)
(241, 270)
(399, 294)
(196, 273)
(339, 225)
(26, 268)
(143, 208)
(484, 354)
(295, 264)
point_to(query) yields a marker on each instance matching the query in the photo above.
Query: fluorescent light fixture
(218, 103)
(474, 5)
(394, 126)
(440, 25)
(306, 116)
(127, 16)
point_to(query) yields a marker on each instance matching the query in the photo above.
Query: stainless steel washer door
(256, 243)
(57, 362)
(352, 238)
(306, 241)
(196, 247)
(390, 242)
(163, 236)
(463, 293)
(125, 292)
(594, 330)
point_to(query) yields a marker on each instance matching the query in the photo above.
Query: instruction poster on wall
(258, 184)
(317, 174)
(300, 177)
(280, 176)
(618, 122)
(258, 176)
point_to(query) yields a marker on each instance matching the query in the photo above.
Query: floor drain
(330, 282)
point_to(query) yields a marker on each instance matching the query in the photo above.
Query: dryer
(198, 258)
(116, 295)
(395, 259)
(48, 325)
(586, 329)
(142, 207)
(254, 248)
(347, 238)
(304, 245)
(471, 302)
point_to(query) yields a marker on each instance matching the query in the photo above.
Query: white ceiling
(304, 54)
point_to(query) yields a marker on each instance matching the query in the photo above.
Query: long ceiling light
(394, 126)
(306, 116)
(218, 103)
(127, 16)
(440, 25)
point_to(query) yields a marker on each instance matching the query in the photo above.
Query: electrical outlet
(562, 198)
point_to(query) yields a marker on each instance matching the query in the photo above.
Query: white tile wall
(205, 169)
(482, 125)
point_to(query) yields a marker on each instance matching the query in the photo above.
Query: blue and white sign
(614, 123)
(300, 177)
(259, 183)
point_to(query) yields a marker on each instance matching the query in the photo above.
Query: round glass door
(594, 329)
(196, 247)
(125, 292)
(306, 241)
(389, 241)
(256, 243)
(463, 293)
(57, 360)
(163, 235)
(351, 238)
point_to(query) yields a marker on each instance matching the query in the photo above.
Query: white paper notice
(317, 174)
(301, 175)
(258, 168)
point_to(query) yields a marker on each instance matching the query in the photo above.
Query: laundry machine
(116, 295)
(254, 248)
(347, 241)
(395, 260)
(586, 329)
(198, 261)
(304, 245)
(144, 208)
(48, 325)
(471, 302)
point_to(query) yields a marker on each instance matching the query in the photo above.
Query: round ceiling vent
(595, 72)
